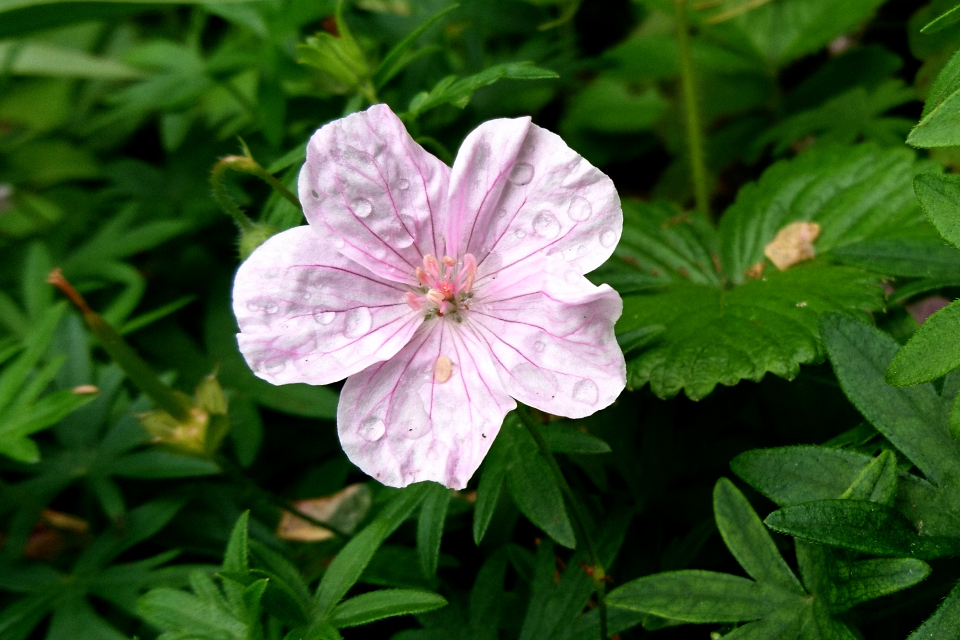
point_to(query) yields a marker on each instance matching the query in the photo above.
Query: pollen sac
(443, 369)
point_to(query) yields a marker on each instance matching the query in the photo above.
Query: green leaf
(532, 484)
(347, 566)
(779, 32)
(792, 475)
(877, 482)
(731, 315)
(458, 92)
(561, 438)
(433, 515)
(27, 58)
(939, 195)
(867, 527)
(748, 540)
(932, 352)
(694, 596)
(486, 597)
(612, 106)
(912, 418)
(385, 603)
(941, 112)
(399, 57)
(863, 580)
(179, 611)
(942, 21)
(944, 624)
(492, 479)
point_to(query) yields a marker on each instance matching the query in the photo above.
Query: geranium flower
(440, 294)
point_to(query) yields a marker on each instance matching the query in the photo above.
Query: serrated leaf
(694, 596)
(730, 315)
(910, 417)
(932, 352)
(939, 195)
(385, 603)
(941, 112)
(748, 540)
(903, 257)
(867, 527)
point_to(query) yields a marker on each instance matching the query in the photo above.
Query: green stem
(177, 404)
(691, 109)
(244, 164)
(598, 573)
(236, 474)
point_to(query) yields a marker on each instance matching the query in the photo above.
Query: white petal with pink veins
(308, 314)
(429, 413)
(517, 189)
(376, 193)
(556, 350)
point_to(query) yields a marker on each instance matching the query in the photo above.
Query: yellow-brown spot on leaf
(343, 511)
(793, 244)
(443, 369)
(755, 272)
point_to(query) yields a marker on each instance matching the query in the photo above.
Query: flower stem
(597, 571)
(177, 404)
(692, 111)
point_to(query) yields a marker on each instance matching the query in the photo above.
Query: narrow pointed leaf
(385, 603)
(933, 351)
(877, 482)
(939, 195)
(944, 624)
(433, 515)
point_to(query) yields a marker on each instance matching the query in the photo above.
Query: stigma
(444, 289)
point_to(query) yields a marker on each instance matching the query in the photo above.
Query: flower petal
(517, 189)
(555, 350)
(377, 193)
(429, 413)
(308, 314)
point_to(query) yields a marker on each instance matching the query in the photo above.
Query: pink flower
(440, 294)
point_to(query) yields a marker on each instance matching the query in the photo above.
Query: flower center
(444, 289)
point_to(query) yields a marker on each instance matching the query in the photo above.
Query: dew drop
(539, 346)
(358, 322)
(608, 237)
(502, 213)
(254, 305)
(582, 249)
(270, 307)
(274, 367)
(403, 240)
(579, 209)
(586, 391)
(324, 317)
(338, 243)
(540, 383)
(546, 225)
(521, 174)
(520, 233)
(372, 429)
(403, 184)
(362, 207)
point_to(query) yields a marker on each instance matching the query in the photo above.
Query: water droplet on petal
(546, 225)
(586, 391)
(254, 305)
(521, 174)
(539, 382)
(358, 322)
(361, 207)
(324, 317)
(608, 238)
(372, 429)
(403, 184)
(520, 233)
(274, 367)
(338, 243)
(579, 209)
(270, 307)
(539, 346)
(502, 213)
(572, 277)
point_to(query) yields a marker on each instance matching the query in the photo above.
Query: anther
(450, 262)
(435, 297)
(422, 276)
(412, 301)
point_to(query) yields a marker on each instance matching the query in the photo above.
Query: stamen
(431, 265)
(422, 276)
(412, 301)
(450, 262)
(470, 266)
(435, 297)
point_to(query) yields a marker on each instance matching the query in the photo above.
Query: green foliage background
(808, 416)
